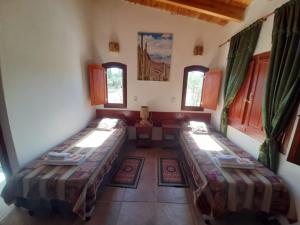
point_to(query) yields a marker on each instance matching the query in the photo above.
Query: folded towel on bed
(72, 160)
(228, 161)
(227, 158)
(58, 155)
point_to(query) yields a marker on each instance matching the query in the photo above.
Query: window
(245, 112)
(192, 87)
(5, 170)
(108, 84)
(116, 85)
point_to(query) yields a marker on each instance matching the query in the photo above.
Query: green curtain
(242, 46)
(283, 83)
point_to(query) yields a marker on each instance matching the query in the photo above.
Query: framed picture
(154, 56)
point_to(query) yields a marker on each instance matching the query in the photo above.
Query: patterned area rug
(171, 173)
(128, 173)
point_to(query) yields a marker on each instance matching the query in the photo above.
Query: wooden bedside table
(170, 134)
(143, 135)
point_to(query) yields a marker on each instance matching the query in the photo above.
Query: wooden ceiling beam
(210, 7)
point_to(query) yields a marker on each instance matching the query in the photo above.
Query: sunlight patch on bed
(205, 142)
(94, 139)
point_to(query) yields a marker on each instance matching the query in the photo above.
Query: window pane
(194, 88)
(115, 85)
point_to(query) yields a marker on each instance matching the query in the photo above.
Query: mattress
(75, 185)
(222, 190)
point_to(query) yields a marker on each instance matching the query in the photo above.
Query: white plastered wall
(45, 46)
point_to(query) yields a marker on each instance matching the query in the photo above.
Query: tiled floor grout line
(119, 212)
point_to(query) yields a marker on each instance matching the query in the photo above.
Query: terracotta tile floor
(149, 204)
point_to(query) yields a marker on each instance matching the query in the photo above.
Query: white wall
(121, 21)
(44, 48)
(257, 9)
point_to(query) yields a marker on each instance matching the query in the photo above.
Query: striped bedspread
(76, 185)
(221, 190)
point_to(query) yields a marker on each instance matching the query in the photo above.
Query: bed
(72, 188)
(222, 190)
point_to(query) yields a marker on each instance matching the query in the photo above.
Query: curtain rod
(264, 18)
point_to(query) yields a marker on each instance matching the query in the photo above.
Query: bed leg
(273, 221)
(207, 221)
(269, 219)
(17, 204)
(31, 212)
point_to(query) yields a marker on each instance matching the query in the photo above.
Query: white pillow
(108, 123)
(199, 127)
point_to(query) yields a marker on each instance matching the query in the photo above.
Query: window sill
(257, 136)
(191, 108)
(122, 106)
(294, 161)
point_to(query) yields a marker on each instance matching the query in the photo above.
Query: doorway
(7, 152)
(5, 167)
(5, 171)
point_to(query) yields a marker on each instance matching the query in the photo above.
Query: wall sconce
(113, 46)
(198, 50)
